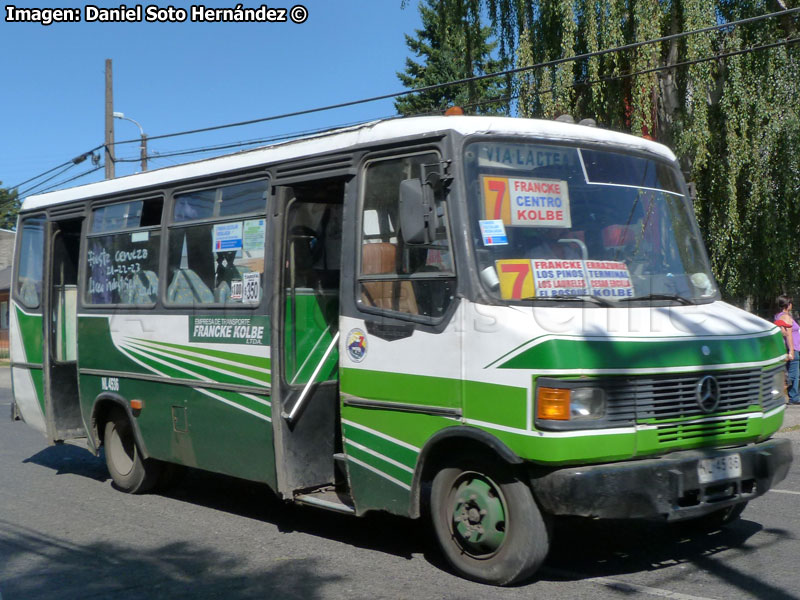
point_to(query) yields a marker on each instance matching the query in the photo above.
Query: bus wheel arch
(473, 485)
(126, 458)
(447, 443)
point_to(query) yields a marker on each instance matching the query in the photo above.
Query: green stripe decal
(30, 327)
(206, 371)
(256, 407)
(399, 387)
(259, 362)
(604, 353)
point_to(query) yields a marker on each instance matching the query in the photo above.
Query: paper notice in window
(609, 278)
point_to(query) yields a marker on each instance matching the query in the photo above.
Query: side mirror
(417, 221)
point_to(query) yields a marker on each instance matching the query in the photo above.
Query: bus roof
(338, 139)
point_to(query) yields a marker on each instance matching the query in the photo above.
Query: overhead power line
(575, 84)
(504, 98)
(463, 81)
(68, 166)
(550, 63)
(60, 183)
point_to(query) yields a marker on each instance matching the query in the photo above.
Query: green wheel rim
(479, 515)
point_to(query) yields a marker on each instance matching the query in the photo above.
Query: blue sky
(180, 76)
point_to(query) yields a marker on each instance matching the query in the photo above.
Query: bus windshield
(559, 222)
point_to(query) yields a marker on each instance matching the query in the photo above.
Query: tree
(453, 44)
(9, 207)
(732, 120)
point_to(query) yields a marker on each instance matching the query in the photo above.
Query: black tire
(487, 522)
(129, 471)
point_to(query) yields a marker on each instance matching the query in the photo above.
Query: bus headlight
(570, 404)
(587, 403)
(778, 383)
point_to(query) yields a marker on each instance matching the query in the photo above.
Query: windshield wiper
(573, 298)
(676, 297)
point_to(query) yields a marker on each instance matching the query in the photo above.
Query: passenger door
(305, 317)
(62, 403)
(26, 326)
(400, 332)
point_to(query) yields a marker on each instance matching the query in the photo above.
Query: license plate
(719, 468)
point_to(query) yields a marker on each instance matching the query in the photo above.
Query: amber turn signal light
(552, 404)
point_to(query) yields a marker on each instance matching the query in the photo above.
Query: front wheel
(129, 471)
(487, 522)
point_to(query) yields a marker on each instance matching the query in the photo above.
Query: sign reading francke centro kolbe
(527, 202)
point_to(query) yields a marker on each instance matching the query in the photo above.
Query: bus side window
(28, 286)
(216, 245)
(394, 276)
(123, 248)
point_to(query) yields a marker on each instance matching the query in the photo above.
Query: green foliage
(9, 207)
(733, 121)
(452, 44)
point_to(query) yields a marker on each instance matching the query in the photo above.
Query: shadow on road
(585, 549)
(73, 460)
(582, 549)
(178, 570)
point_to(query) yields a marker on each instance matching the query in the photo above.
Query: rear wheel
(129, 471)
(487, 522)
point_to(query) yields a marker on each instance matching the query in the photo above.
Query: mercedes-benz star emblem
(706, 392)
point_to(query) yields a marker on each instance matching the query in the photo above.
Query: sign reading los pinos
(545, 278)
(527, 202)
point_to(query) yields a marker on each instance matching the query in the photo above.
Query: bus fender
(460, 435)
(101, 405)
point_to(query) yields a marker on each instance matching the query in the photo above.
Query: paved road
(65, 533)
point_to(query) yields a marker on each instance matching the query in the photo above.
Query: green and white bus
(487, 321)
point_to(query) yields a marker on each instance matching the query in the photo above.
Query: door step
(327, 497)
(80, 442)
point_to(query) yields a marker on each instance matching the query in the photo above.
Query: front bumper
(666, 487)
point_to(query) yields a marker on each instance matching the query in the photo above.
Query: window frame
(84, 300)
(170, 224)
(15, 288)
(360, 278)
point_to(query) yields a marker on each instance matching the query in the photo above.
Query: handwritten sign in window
(123, 268)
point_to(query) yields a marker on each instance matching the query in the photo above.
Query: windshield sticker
(493, 232)
(227, 236)
(495, 199)
(609, 279)
(527, 202)
(539, 203)
(559, 277)
(516, 279)
(522, 279)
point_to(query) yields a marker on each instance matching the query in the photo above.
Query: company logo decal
(356, 345)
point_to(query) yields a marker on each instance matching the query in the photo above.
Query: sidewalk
(791, 418)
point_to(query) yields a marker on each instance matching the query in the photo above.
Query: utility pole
(143, 152)
(109, 122)
(143, 145)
